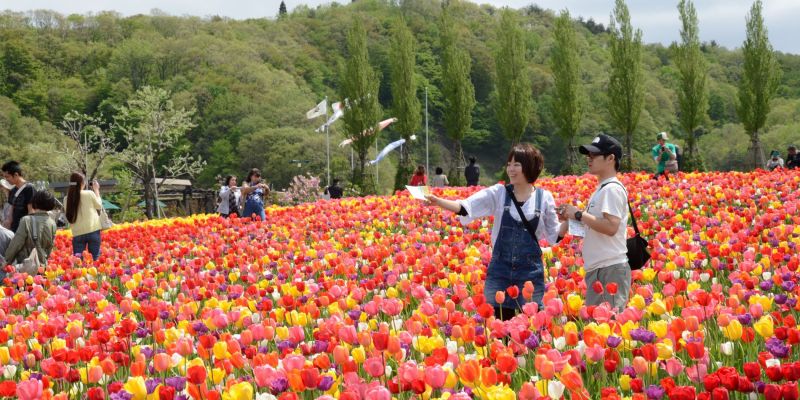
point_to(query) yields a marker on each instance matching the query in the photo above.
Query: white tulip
(555, 389)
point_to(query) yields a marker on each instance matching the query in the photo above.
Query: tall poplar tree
(567, 107)
(359, 86)
(512, 97)
(458, 92)
(405, 103)
(625, 89)
(759, 81)
(692, 88)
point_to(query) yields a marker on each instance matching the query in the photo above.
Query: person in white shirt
(229, 197)
(516, 255)
(440, 179)
(605, 258)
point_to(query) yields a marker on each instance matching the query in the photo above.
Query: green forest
(246, 86)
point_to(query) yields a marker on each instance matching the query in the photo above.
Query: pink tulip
(602, 313)
(640, 365)
(29, 390)
(378, 393)
(697, 372)
(674, 367)
(374, 366)
(348, 334)
(293, 362)
(554, 307)
(435, 376)
(595, 353)
(528, 391)
(262, 375)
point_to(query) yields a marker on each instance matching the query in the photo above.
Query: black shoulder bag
(531, 229)
(637, 245)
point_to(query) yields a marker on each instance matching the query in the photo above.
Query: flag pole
(427, 155)
(328, 140)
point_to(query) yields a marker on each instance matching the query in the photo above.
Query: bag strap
(630, 209)
(531, 229)
(33, 232)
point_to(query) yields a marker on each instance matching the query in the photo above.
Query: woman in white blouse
(229, 197)
(516, 256)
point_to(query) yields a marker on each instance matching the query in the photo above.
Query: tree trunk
(148, 196)
(456, 173)
(629, 147)
(755, 148)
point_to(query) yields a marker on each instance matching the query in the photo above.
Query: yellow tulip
(574, 302)
(764, 326)
(221, 350)
(136, 387)
(239, 391)
(664, 351)
(625, 382)
(658, 327)
(734, 330)
(359, 355)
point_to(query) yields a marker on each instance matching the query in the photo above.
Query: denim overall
(254, 204)
(516, 258)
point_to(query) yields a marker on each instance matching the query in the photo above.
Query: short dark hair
(792, 147)
(616, 160)
(43, 200)
(335, 181)
(12, 167)
(531, 159)
(228, 180)
(439, 170)
(472, 159)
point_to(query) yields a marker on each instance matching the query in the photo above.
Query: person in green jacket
(22, 244)
(665, 155)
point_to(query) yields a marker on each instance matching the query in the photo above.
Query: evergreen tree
(625, 90)
(406, 105)
(758, 83)
(513, 91)
(359, 86)
(692, 89)
(282, 10)
(567, 107)
(458, 93)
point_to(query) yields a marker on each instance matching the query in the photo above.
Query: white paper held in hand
(418, 192)
(577, 228)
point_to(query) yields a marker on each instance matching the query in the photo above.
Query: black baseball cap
(603, 144)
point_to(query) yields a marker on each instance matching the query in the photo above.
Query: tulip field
(382, 298)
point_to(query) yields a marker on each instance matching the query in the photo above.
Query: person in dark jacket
(792, 158)
(334, 190)
(472, 172)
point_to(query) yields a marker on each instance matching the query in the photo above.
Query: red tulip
(772, 392)
(196, 374)
(720, 393)
(752, 370)
(8, 388)
(597, 287)
(611, 288)
(96, 393)
(513, 291)
(682, 393)
(711, 382)
(380, 340)
(166, 392)
(789, 391)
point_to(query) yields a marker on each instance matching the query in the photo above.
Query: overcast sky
(720, 20)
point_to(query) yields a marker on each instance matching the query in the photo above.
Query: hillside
(250, 83)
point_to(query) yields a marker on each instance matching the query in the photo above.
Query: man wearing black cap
(605, 221)
(792, 158)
